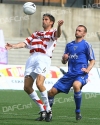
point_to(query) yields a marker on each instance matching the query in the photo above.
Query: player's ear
(51, 22)
(84, 34)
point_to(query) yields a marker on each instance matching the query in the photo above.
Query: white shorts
(37, 63)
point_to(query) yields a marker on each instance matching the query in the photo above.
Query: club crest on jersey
(75, 47)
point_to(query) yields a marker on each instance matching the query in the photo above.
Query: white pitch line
(53, 116)
(83, 117)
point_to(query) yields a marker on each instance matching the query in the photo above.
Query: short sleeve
(66, 49)
(90, 52)
(29, 39)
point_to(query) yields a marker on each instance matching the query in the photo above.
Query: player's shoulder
(87, 43)
(35, 32)
(52, 30)
(70, 43)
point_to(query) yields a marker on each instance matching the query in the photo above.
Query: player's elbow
(23, 45)
(58, 35)
(93, 62)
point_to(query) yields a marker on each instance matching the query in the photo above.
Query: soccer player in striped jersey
(77, 53)
(41, 45)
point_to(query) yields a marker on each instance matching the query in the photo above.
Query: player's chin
(44, 26)
(77, 36)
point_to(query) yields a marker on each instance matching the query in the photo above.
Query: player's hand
(8, 46)
(60, 22)
(65, 58)
(85, 70)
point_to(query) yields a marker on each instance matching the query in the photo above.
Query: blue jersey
(79, 55)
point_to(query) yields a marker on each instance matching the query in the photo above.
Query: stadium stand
(97, 3)
(17, 55)
(43, 2)
(13, 18)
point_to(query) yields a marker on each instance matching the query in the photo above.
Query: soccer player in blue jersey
(80, 57)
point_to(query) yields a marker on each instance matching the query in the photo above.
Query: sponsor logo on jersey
(74, 56)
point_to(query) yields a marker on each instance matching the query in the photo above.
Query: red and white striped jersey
(42, 41)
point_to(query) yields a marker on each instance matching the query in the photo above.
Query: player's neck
(47, 29)
(78, 39)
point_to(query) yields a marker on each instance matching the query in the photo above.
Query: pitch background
(16, 108)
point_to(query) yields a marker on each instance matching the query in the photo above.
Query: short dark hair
(50, 17)
(85, 29)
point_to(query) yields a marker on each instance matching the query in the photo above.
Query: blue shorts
(66, 82)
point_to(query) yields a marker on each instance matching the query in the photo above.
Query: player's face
(46, 22)
(80, 32)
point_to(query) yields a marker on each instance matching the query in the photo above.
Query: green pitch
(16, 108)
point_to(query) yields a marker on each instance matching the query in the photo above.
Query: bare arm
(15, 46)
(90, 66)
(60, 23)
